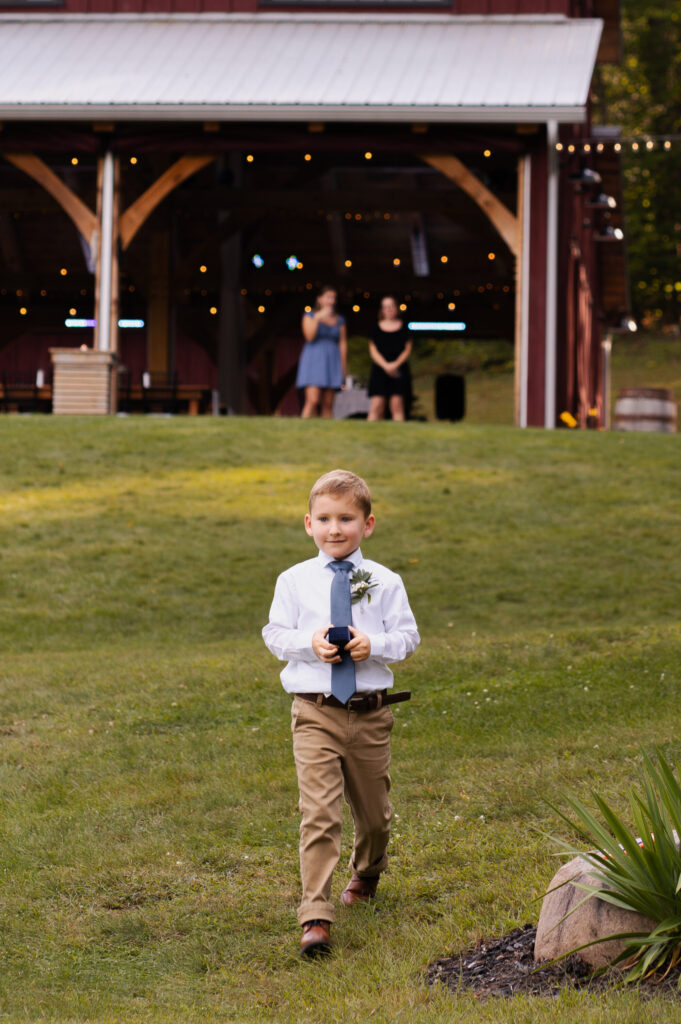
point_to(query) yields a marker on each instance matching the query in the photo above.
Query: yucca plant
(640, 869)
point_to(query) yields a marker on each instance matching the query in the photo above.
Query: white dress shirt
(301, 606)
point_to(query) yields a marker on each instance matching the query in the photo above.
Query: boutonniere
(360, 584)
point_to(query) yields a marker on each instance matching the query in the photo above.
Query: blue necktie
(343, 672)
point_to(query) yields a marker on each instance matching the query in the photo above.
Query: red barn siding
(480, 7)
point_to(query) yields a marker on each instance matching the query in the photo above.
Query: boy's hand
(326, 652)
(359, 647)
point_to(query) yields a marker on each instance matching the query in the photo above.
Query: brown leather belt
(360, 703)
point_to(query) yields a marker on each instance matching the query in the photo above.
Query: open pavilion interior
(280, 211)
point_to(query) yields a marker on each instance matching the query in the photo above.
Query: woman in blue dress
(321, 370)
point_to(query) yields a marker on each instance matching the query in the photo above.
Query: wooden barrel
(647, 409)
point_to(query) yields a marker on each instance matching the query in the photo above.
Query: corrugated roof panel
(264, 66)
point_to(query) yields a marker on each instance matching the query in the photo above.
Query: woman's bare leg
(312, 400)
(397, 407)
(327, 403)
(376, 407)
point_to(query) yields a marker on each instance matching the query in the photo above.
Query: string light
(444, 259)
(74, 161)
(487, 153)
(348, 263)
(403, 306)
(559, 147)
(72, 311)
(23, 311)
(308, 157)
(368, 156)
(491, 255)
(451, 305)
(650, 144)
(308, 309)
(355, 309)
(63, 271)
(261, 309)
(634, 146)
(250, 158)
(587, 147)
(203, 268)
(133, 160)
(396, 262)
(213, 310)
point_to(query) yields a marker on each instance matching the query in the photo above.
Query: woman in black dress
(389, 348)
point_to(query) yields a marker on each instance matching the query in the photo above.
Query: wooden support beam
(81, 215)
(136, 214)
(505, 222)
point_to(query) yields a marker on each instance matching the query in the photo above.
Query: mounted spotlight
(603, 202)
(586, 177)
(609, 234)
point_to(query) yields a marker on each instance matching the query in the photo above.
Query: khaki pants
(339, 752)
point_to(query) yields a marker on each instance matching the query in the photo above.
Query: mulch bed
(506, 967)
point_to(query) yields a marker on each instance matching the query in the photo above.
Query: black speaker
(450, 397)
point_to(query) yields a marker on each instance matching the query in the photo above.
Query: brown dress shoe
(359, 890)
(316, 938)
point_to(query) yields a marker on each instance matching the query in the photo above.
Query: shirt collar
(355, 558)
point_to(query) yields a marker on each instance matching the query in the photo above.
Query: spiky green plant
(639, 868)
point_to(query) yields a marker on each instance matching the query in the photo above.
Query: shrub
(640, 869)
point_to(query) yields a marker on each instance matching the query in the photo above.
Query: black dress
(390, 344)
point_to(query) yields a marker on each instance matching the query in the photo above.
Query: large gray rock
(593, 920)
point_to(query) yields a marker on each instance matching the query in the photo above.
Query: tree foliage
(643, 96)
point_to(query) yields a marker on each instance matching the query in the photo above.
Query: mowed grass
(149, 803)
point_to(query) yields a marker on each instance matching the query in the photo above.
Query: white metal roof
(296, 67)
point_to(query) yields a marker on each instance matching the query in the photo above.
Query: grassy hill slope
(148, 793)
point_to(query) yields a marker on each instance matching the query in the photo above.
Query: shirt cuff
(377, 642)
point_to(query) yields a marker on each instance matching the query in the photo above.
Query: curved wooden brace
(81, 215)
(506, 223)
(136, 214)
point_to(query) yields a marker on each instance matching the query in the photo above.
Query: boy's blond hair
(341, 481)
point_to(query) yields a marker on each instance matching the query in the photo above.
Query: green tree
(643, 96)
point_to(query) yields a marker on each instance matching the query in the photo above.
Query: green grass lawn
(645, 359)
(149, 803)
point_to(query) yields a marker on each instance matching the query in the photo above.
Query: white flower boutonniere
(360, 584)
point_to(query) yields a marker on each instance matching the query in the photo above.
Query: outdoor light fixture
(603, 202)
(610, 234)
(436, 325)
(587, 176)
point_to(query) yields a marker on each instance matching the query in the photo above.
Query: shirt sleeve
(400, 637)
(281, 635)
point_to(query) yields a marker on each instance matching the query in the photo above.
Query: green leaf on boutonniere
(360, 584)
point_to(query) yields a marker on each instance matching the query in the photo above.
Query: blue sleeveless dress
(320, 363)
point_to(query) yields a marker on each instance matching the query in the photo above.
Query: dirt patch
(506, 967)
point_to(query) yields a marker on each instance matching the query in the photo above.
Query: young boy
(340, 680)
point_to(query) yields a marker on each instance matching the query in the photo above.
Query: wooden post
(158, 319)
(231, 334)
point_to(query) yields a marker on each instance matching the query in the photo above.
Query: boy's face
(338, 525)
